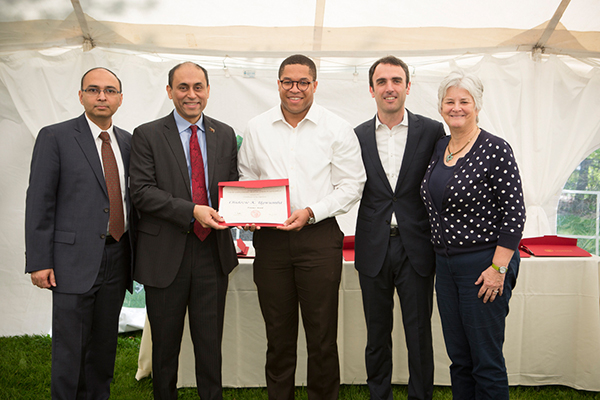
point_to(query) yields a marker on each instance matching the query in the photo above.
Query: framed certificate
(263, 203)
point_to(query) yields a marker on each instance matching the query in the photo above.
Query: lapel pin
(211, 129)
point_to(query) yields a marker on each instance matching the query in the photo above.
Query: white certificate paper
(254, 202)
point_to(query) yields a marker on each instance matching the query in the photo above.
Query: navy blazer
(67, 206)
(379, 199)
(160, 189)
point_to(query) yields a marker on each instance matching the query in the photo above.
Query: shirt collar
(96, 130)
(183, 124)
(404, 121)
(312, 115)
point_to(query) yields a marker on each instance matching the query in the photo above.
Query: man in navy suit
(78, 238)
(184, 255)
(392, 244)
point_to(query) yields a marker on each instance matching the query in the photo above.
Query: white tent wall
(548, 112)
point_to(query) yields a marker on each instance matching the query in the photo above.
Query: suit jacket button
(106, 210)
(103, 236)
(394, 198)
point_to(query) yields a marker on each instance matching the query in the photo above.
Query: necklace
(451, 155)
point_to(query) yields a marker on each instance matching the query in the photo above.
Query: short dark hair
(302, 60)
(106, 69)
(175, 68)
(391, 60)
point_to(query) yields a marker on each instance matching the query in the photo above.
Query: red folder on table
(258, 184)
(348, 249)
(524, 254)
(552, 246)
(243, 248)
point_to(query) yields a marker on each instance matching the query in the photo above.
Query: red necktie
(116, 220)
(198, 183)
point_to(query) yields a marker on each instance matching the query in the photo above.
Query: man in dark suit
(184, 256)
(393, 246)
(78, 222)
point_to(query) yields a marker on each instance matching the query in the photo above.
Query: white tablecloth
(552, 334)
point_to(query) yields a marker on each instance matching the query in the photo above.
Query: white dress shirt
(320, 157)
(96, 131)
(391, 144)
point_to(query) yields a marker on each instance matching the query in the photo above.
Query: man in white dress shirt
(300, 263)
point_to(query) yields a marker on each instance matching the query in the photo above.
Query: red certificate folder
(348, 249)
(257, 185)
(552, 246)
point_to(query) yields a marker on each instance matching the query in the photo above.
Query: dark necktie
(198, 183)
(116, 220)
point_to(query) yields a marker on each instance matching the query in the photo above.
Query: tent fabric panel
(546, 111)
(268, 41)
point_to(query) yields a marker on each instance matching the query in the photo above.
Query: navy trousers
(474, 331)
(416, 302)
(85, 329)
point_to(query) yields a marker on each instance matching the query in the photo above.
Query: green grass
(25, 375)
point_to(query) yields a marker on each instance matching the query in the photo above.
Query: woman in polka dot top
(472, 192)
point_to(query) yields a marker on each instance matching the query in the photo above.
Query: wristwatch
(502, 270)
(311, 216)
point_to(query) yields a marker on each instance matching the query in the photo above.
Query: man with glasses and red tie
(183, 255)
(78, 228)
(299, 264)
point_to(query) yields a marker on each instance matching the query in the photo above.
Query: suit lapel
(125, 149)
(172, 136)
(211, 150)
(412, 142)
(371, 142)
(83, 136)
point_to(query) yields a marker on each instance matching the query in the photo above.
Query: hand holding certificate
(262, 203)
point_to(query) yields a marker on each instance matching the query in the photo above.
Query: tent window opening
(578, 213)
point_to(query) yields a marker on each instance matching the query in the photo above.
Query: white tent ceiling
(539, 61)
(320, 28)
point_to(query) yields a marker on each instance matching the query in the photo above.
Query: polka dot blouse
(482, 204)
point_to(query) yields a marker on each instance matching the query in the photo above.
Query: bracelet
(310, 212)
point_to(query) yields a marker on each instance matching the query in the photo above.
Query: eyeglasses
(93, 91)
(288, 84)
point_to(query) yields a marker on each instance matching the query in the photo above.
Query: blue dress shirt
(185, 132)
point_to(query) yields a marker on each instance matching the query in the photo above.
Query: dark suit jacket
(379, 199)
(160, 189)
(67, 205)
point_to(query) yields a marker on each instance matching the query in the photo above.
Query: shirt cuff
(320, 211)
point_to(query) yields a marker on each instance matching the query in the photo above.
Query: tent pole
(88, 42)
(551, 26)
(318, 28)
